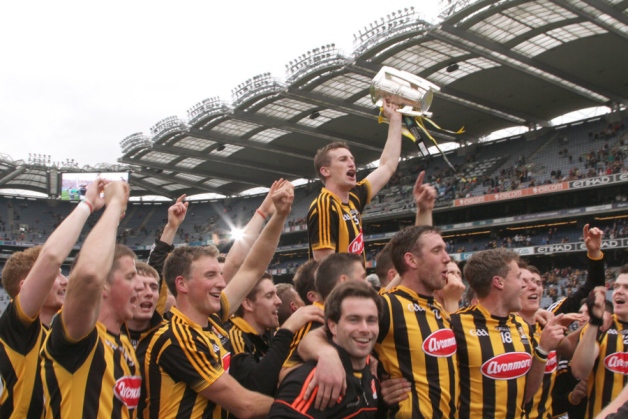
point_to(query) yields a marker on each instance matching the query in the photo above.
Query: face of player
(514, 287)
(205, 285)
(584, 313)
(125, 289)
(146, 298)
(341, 171)
(620, 297)
(453, 272)
(531, 296)
(266, 305)
(56, 296)
(432, 264)
(357, 329)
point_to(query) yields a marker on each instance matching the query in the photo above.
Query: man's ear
(246, 305)
(181, 285)
(498, 282)
(325, 172)
(332, 327)
(293, 306)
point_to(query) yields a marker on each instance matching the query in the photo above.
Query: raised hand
(552, 334)
(282, 198)
(424, 194)
(302, 316)
(94, 194)
(177, 212)
(593, 241)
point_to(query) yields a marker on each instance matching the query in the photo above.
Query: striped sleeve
(322, 230)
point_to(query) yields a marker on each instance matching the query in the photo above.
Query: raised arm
(176, 215)
(392, 150)
(588, 350)
(425, 198)
(87, 279)
(262, 251)
(241, 247)
(550, 338)
(41, 277)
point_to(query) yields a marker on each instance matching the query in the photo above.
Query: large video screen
(74, 185)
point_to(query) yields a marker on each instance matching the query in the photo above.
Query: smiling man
(499, 362)
(334, 220)
(352, 313)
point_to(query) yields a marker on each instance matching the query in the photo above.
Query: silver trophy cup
(411, 93)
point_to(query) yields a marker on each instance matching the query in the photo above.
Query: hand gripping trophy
(413, 95)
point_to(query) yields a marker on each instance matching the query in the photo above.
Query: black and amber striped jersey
(183, 359)
(360, 400)
(610, 370)
(416, 343)
(337, 225)
(541, 404)
(494, 357)
(94, 377)
(21, 395)
(257, 359)
(293, 357)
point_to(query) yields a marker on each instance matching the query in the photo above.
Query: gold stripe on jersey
(333, 224)
(494, 357)
(94, 377)
(183, 359)
(293, 357)
(21, 338)
(610, 370)
(239, 328)
(409, 324)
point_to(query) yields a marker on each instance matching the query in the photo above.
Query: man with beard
(34, 281)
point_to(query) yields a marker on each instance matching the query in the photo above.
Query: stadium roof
(499, 64)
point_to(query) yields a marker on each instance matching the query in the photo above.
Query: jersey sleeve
(322, 224)
(68, 353)
(17, 331)
(362, 192)
(157, 258)
(289, 402)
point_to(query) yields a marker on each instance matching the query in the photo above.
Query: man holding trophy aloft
(334, 218)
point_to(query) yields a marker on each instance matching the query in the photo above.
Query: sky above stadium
(77, 77)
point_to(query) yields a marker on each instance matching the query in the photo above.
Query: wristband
(261, 213)
(540, 354)
(600, 258)
(86, 205)
(593, 319)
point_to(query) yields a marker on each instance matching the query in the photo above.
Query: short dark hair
(384, 263)
(332, 268)
(322, 157)
(145, 269)
(333, 304)
(285, 293)
(483, 266)
(180, 260)
(305, 279)
(408, 240)
(252, 295)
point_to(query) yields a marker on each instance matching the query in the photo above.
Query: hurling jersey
(610, 370)
(337, 225)
(494, 357)
(21, 392)
(183, 359)
(94, 377)
(416, 343)
(293, 358)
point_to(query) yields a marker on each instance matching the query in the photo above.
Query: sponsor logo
(478, 332)
(555, 248)
(357, 245)
(617, 362)
(548, 188)
(552, 363)
(507, 366)
(440, 344)
(508, 195)
(415, 307)
(583, 183)
(469, 201)
(226, 361)
(612, 332)
(127, 390)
